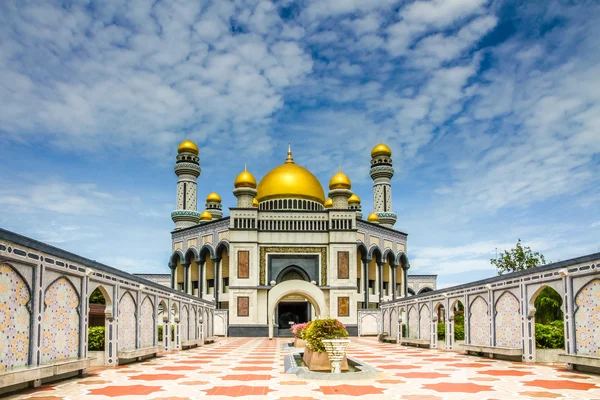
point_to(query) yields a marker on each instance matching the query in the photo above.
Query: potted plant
(298, 330)
(323, 335)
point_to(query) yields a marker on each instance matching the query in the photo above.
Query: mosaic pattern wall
(14, 319)
(413, 321)
(127, 322)
(479, 323)
(192, 324)
(425, 323)
(587, 319)
(508, 321)
(183, 323)
(147, 327)
(60, 325)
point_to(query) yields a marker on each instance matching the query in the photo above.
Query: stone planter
(316, 361)
(299, 343)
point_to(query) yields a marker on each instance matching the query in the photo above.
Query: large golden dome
(340, 181)
(381, 150)
(245, 179)
(188, 146)
(290, 180)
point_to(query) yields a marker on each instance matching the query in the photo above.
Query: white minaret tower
(381, 173)
(187, 169)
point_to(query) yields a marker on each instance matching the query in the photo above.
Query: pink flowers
(298, 330)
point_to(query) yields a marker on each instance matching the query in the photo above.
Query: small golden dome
(354, 199)
(373, 218)
(205, 216)
(245, 179)
(255, 202)
(290, 180)
(340, 181)
(213, 198)
(187, 146)
(381, 150)
(328, 203)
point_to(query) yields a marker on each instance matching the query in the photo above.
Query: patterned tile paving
(252, 369)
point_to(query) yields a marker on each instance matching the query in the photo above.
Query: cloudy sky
(491, 108)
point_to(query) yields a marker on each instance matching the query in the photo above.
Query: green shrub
(441, 331)
(551, 336)
(459, 332)
(160, 333)
(96, 338)
(404, 332)
(459, 319)
(320, 329)
(97, 297)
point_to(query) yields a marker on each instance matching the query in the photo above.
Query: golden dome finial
(328, 203)
(187, 146)
(206, 216)
(255, 202)
(354, 199)
(381, 150)
(289, 159)
(245, 179)
(340, 181)
(373, 218)
(213, 197)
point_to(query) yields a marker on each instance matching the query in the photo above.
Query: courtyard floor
(252, 368)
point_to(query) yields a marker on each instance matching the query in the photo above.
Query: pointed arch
(587, 316)
(402, 260)
(176, 256)
(191, 253)
(15, 302)
(207, 248)
(508, 320)
(147, 322)
(374, 250)
(222, 246)
(127, 332)
(479, 322)
(362, 249)
(60, 327)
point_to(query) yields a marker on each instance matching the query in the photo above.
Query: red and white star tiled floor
(252, 368)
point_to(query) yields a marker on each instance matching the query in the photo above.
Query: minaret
(354, 204)
(381, 173)
(245, 189)
(339, 190)
(213, 205)
(187, 169)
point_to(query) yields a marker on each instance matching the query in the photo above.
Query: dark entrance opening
(289, 313)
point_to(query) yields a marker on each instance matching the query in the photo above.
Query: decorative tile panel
(243, 306)
(508, 321)
(192, 324)
(388, 244)
(127, 323)
(243, 269)
(425, 323)
(413, 323)
(343, 264)
(206, 239)
(479, 322)
(60, 325)
(224, 235)
(14, 319)
(343, 307)
(183, 323)
(147, 333)
(587, 320)
(360, 237)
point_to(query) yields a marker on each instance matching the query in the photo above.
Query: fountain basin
(293, 364)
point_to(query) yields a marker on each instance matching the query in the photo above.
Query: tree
(518, 259)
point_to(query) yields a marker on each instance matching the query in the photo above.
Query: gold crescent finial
(289, 159)
(245, 167)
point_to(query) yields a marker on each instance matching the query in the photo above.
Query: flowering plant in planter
(317, 331)
(299, 330)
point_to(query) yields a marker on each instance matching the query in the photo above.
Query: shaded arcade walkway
(252, 368)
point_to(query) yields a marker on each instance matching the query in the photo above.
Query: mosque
(287, 253)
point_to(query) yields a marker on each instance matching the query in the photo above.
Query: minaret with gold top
(381, 173)
(187, 169)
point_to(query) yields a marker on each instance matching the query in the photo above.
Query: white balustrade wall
(499, 312)
(44, 305)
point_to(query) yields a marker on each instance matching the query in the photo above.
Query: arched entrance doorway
(302, 293)
(293, 308)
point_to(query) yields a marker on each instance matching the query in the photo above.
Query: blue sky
(492, 110)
